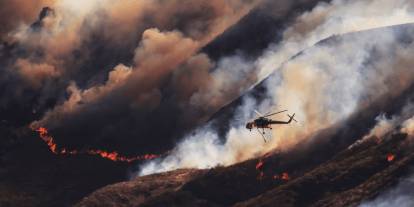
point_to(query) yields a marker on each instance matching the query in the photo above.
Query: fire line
(114, 156)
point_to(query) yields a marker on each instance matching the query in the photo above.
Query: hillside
(322, 170)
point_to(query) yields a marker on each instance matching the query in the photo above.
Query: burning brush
(284, 176)
(390, 157)
(114, 156)
(259, 167)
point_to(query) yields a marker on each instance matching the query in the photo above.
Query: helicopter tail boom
(291, 118)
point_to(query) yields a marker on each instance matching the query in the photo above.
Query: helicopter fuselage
(259, 123)
(263, 123)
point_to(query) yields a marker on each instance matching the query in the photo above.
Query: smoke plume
(408, 126)
(324, 84)
(122, 60)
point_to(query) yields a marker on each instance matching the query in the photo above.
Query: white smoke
(408, 126)
(338, 17)
(323, 85)
(381, 128)
(231, 78)
(203, 148)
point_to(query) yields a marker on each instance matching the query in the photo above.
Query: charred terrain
(347, 179)
(122, 105)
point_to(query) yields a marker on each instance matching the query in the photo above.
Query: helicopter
(263, 122)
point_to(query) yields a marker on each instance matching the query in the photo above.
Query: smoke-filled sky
(132, 76)
(104, 73)
(323, 83)
(145, 76)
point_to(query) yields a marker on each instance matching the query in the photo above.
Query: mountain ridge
(323, 161)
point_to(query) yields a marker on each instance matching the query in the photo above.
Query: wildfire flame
(48, 139)
(114, 156)
(259, 165)
(284, 176)
(390, 157)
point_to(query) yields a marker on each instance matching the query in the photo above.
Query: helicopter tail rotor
(292, 117)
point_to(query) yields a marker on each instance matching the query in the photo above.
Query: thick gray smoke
(325, 84)
(335, 18)
(130, 59)
(16, 12)
(74, 22)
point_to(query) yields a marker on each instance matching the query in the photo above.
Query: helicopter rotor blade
(258, 113)
(275, 113)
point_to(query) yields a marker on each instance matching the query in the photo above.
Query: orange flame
(390, 157)
(114, 156)
(48, 139)
(284, 176)
(259, 167)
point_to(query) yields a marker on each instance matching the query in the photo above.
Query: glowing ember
(285, 176)
(259, 165)
(114, 156)
(260, 176)
(390, 157)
